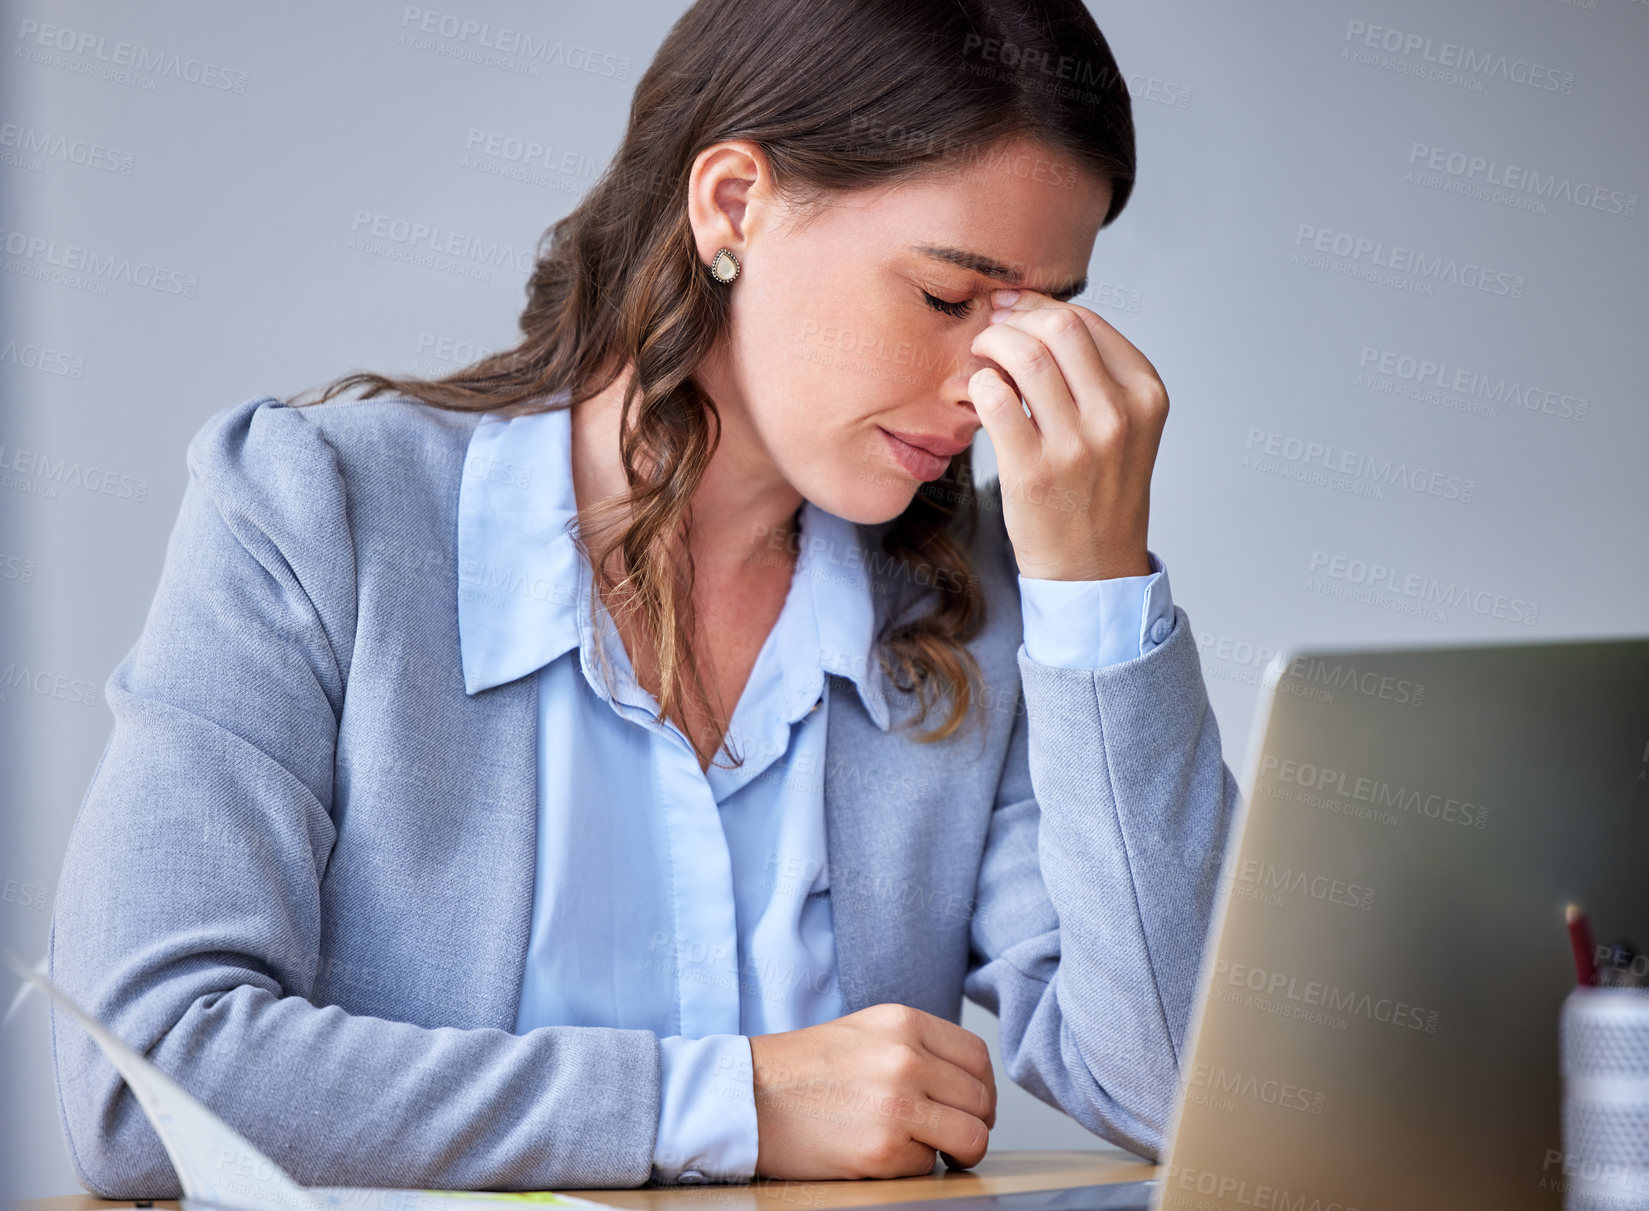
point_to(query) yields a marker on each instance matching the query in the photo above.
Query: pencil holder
(1605, 1066)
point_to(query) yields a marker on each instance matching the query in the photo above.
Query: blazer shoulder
(386, 427)
(289, 454)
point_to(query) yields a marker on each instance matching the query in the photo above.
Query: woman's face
(832, 342)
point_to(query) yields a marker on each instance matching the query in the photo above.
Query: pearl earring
(725, 266)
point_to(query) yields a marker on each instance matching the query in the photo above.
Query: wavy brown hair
(841, 95)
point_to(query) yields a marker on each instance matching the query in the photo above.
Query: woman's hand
(872, 1094)
(1076, 473)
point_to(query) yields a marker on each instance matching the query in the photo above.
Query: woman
(428, 856)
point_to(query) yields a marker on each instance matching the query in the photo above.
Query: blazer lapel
(503, 769)
(875, 843)
(847, 842)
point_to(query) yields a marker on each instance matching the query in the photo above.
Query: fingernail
(1000, 314)
(1004, 298)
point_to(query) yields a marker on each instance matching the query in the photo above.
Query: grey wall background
(1388, 257)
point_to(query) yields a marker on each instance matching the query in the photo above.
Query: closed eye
(955, 310)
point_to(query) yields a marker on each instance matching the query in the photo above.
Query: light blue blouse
(694, 903)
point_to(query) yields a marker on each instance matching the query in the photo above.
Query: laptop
(1377, 1020)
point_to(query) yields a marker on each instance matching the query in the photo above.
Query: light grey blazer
(302, 876)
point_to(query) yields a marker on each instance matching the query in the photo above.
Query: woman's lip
(921, 463)
(937, 446)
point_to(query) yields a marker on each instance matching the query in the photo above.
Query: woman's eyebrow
(995, 269)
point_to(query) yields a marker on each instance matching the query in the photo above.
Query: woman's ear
(727, 182)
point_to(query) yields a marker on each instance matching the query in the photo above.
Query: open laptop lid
(1377, 1024)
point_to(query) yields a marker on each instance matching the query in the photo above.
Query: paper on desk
(219, 1169)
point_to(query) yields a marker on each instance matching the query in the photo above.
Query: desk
(998, 1173)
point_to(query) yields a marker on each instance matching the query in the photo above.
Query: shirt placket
(700, 864)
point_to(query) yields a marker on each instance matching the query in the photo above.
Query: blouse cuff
(707, 1110)
(1088, 624)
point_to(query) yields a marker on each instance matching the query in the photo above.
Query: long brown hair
(841, 95)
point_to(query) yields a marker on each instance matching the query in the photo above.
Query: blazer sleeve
(1097, 884)
(190, 916)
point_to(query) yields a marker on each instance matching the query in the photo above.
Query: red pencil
(1580, 941)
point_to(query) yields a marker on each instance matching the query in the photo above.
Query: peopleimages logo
(26, 141)
(1279, 986)
(1423, 371)
(1340, 676)
(94, 55)
(493, 46)
(46, 684)
(1471, 61)
(1376, 473)
(1267, 877)
(1376, 791)
(1515, 179)
(86, 268)
(1224, 1085)
(431, 245)
(1398, 258)
(16, 567)
(42, 475)
(42, 359)
(1201, 1184)
(1374, 576)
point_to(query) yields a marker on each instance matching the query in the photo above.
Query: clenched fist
(873, 1094)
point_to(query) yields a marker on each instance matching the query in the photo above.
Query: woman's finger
(1122, 360)
(965, 1054)
(961, 1091)
(956, 1133)
(1036, 372)
(1097, 395)
(1013, 435)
